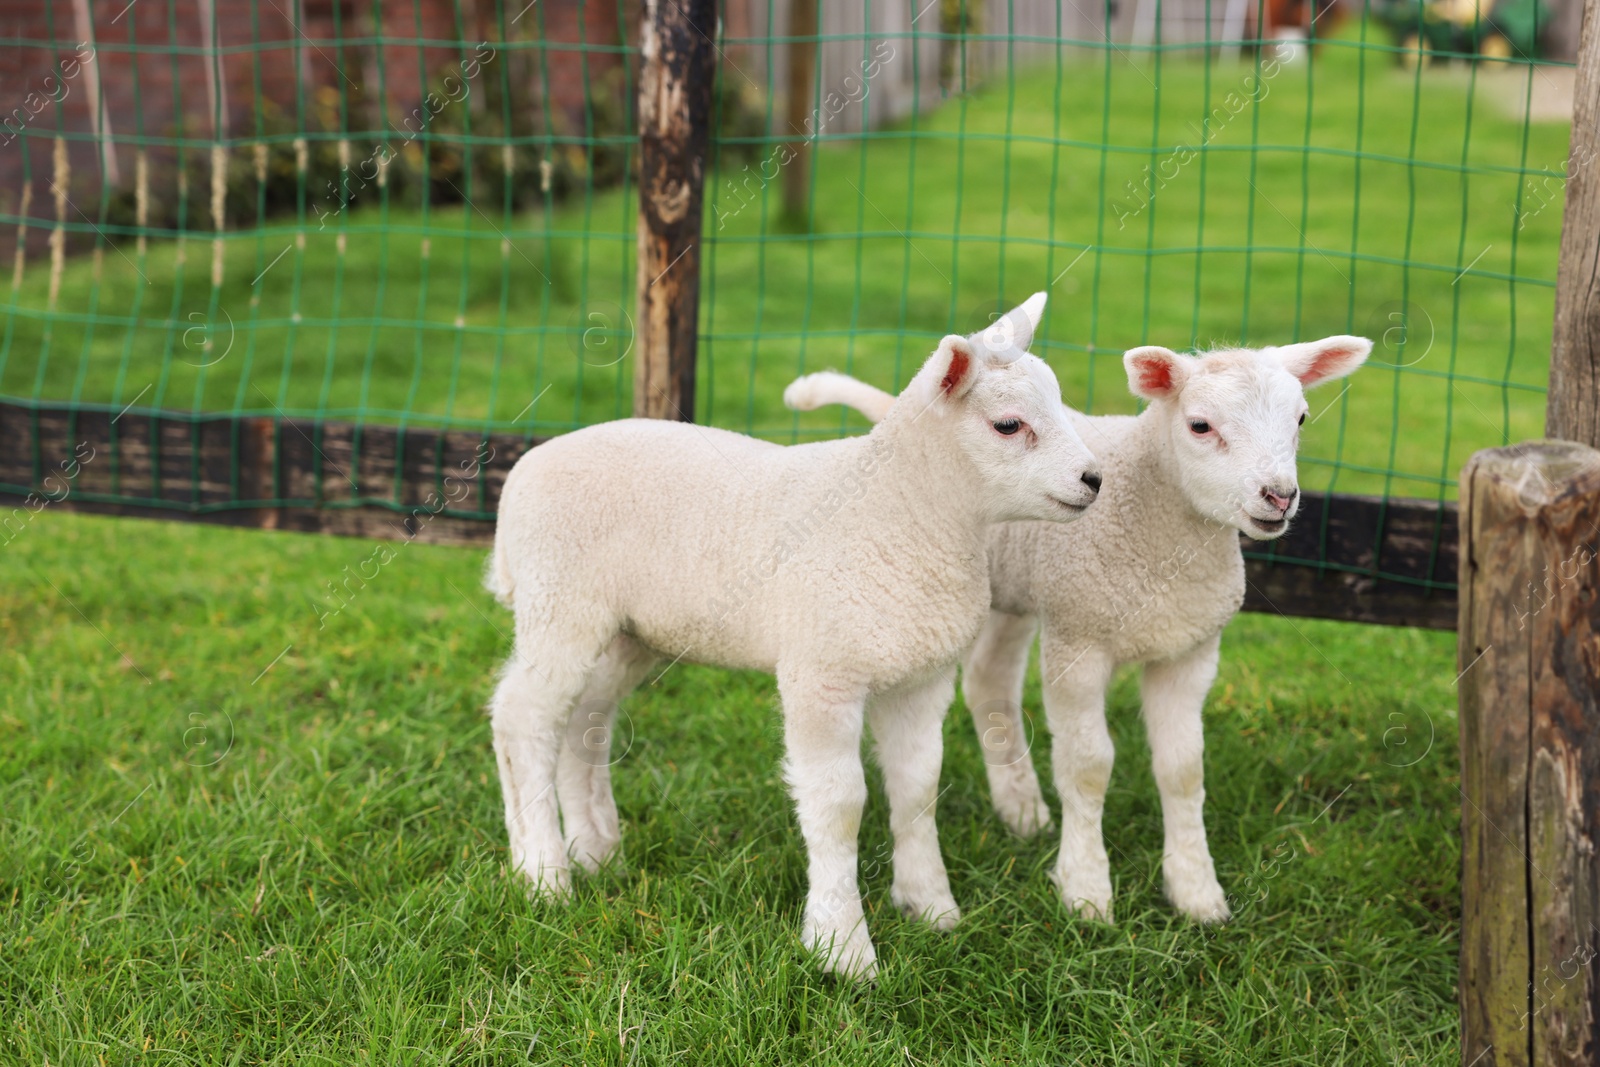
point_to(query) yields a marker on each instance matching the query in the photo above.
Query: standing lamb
(852, 569)
(1151, 577)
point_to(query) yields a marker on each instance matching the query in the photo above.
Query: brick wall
(156, 68)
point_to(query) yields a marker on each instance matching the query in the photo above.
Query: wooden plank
(1529, 693)
(1572, 410)
(1365, 538)
(284, 474)
(677, 69)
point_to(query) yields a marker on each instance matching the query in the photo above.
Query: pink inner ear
(958, 370)
(1325, 365)
(1155, 375)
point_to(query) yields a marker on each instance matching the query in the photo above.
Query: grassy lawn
(217, 851)
(1333, 202)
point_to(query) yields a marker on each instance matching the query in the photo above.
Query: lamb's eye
(1200, 426)
(1302, 418)
(1007, 426)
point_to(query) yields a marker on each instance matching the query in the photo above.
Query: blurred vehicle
(1492, 29)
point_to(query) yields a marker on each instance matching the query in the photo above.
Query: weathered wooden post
(1573, 410)
(675, 79)
(1529, 691)
(801, 122)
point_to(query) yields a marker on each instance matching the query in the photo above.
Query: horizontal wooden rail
(1360, 558)
(1363, 559)
(317, 476)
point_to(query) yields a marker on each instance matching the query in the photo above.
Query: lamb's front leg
(1174, 694)
(906, 728)
(1074, 682)
(822, 732)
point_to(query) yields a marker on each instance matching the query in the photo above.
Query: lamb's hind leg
(529, 711)
(583, 770)
(906, 730)
(1174, 695)
(992, 682)
(822, 735)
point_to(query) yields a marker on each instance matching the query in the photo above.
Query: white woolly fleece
(1151, 576)
(852, 569)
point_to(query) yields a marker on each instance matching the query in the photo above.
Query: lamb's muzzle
(1281, 499)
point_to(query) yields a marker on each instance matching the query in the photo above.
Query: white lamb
(852, 569)
(1151, 576)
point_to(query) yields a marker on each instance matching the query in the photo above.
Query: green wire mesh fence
(396, 238)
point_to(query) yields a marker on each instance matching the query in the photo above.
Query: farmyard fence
(335, 265)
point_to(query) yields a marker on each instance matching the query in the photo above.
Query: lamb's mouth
(1271, 526)
(1071, 509)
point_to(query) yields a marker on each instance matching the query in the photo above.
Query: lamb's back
(668, 527)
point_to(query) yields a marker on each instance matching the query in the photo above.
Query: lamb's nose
(1283, 500)
(1092, 480)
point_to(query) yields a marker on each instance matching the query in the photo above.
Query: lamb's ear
(1315, 362)
(953, 366)
(1154, 372)
(1013, 332)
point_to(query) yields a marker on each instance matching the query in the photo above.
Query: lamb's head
(1232, 419)
(1001, 408)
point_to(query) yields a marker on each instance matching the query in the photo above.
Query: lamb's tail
(830, 387)
(497, 575)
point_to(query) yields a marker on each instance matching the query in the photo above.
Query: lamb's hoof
(592, 852)
(545, 883)
(1023, 816)
(1088, 897)
(848, 954)
(1014, 789)
(937, 909)
(1201, 899)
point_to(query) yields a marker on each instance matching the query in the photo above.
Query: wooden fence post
(1529, 692)
(677, 67)
(801, 122)
(1573, 409)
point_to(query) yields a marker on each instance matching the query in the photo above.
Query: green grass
(214, 850)
(472, 317)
